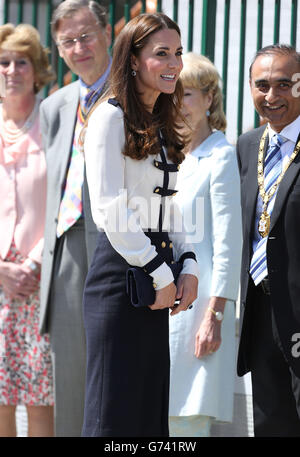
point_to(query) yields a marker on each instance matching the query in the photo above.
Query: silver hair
(69, 7)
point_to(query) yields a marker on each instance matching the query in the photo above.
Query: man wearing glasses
(81, 32)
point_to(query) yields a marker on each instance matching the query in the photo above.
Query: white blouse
(123, 197)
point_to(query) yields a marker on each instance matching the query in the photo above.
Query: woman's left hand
(187, 288)
(208, 338)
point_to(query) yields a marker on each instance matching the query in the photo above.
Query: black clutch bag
(139, 284)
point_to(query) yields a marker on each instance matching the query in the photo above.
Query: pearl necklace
(11, 135)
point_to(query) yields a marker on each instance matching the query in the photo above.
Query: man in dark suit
(269, 163)
(82, 34)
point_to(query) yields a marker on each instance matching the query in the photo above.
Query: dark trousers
(276, 389)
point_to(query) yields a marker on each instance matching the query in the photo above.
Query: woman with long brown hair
(133, 149)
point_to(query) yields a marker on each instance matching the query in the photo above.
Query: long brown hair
(141, 127)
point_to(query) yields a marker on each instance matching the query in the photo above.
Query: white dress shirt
(123, 201)
(289, 134)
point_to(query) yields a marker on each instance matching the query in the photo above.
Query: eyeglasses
(85, 38)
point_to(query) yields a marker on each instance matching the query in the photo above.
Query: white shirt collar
(290, 132)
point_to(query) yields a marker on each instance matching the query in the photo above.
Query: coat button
(171, 245)
(156, 164)
(156, 190)
(163, 244)
(154, 285)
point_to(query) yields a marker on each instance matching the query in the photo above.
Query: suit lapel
(284, 187)
(68, 116)
(251, 179)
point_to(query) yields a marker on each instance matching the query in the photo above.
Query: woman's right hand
(165, 297)
(17, 280)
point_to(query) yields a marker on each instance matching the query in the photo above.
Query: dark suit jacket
(58, 118)
(283, 250)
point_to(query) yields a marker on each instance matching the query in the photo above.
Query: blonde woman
(25, 362)
(202, 342)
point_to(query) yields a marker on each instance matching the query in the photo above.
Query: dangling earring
(133, 73)
(208, 113)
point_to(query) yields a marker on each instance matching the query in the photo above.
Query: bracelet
(218, 314)
(31, 264)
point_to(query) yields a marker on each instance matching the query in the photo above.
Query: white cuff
(162, 276)
(190, 267)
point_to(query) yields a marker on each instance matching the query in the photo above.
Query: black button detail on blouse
(169, 167)
(114, 102)
(165, 192)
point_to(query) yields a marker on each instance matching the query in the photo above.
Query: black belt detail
(187, 255)
(166, 174)
(160, 220)
(166, 168)
(158, 260)
(162, 140)
(169, 167)
(153, 264)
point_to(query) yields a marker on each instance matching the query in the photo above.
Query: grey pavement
(241, 426)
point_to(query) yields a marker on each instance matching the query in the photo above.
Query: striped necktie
(272, 170)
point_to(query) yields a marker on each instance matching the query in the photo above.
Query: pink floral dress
(25, 360)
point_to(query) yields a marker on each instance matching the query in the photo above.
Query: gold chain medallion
(264, 220)
(264, 224)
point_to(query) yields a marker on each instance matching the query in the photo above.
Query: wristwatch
(31, 264)
(218, 314)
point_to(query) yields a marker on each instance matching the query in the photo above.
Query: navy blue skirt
(127, 386)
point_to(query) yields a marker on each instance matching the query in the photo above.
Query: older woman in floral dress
(25, 360)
